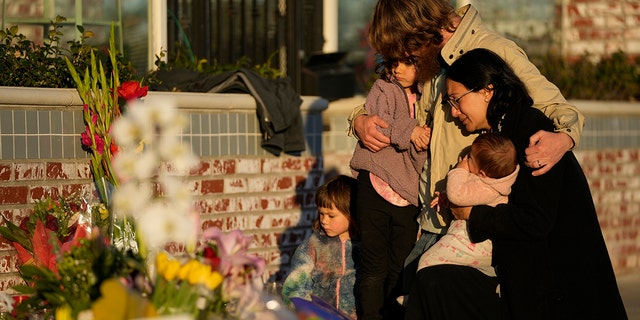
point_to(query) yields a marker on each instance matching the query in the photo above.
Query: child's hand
(463, 162)
(440, 201)
(420, 137)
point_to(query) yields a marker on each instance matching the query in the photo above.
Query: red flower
(114, 149)
(85, 138)
(23, 224)
(80, 232)
(51, 223)
(211, 258)
(99, 143)
(131, 90)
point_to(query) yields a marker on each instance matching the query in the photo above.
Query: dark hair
(338, 191)
(385, 69)
(494, 154)
(402, 26)
(482, 69)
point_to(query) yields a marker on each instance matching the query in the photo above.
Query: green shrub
(612, 78)
(183, 58)
(23, 63)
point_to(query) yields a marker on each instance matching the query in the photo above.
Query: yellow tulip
(213, 280)
(172, 270)
(199, 274)
(186, 269)
(162, 262)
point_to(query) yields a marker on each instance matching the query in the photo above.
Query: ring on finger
(539, 165)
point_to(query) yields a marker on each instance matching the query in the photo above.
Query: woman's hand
(461, 213)
(546, 149)
(366, 128)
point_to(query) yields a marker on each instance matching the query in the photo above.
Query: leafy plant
(183, 58)
(611, 78)
(24, 63)
(76, 281)
(57, 215)
(96, 87)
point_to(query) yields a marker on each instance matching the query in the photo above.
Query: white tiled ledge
(23, 96)
(226, 101)
(587, 107)
(610, 108)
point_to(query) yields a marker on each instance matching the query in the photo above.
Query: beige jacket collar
(469, 25)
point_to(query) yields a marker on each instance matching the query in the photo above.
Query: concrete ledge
(23, 96)
(607, 108)
(587, 107)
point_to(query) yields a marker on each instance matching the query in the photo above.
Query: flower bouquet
(54, 253)
(89, 277)
(104, 101)
(76, 268)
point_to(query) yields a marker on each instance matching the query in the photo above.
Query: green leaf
(24, 289)
(32, 272)
(13, 233)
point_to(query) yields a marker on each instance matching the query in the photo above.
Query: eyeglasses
(454, 103)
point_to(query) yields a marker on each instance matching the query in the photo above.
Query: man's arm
(365, 128)
(546, 148)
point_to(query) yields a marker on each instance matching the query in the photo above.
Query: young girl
(388, 181)
(324, 265)
(485, 176)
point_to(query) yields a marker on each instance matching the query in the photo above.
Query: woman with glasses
(549, 254)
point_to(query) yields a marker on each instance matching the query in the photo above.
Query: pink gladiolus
(85, 138)
(99, 144)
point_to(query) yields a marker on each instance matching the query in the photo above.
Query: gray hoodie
(399, 164)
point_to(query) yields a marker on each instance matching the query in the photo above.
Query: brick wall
(271, 198)
(237, 186)
(614, 178)
(569, 27)
(600, 27)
